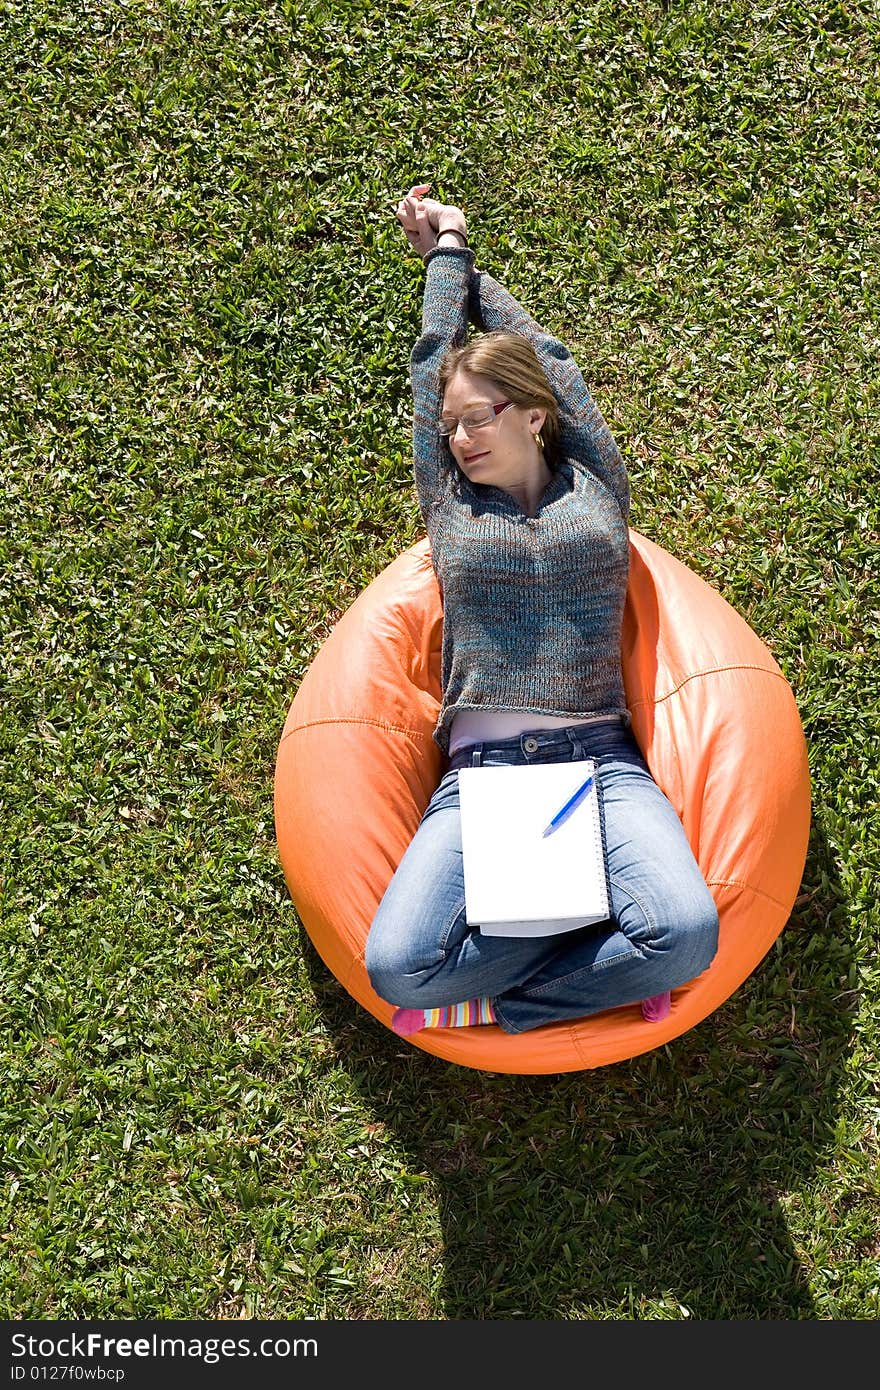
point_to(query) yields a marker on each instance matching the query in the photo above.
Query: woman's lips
(469, 458)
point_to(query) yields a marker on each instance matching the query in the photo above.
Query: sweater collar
(487, 497)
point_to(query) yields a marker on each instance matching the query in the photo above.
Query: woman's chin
(476, 469)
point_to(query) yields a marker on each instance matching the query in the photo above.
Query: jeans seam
(503, 1022)
(593, 969)
(648, 916)
(452, 918)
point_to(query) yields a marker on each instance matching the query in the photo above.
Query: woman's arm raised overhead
(586, 438)
(444, 325)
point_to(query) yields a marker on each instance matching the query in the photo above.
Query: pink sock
(472, 1011)
(406, 1021)
(657, 1007)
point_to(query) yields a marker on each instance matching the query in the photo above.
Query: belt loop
(477, 755)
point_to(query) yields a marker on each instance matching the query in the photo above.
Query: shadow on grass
(659, 1187)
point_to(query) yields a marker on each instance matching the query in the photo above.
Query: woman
(525, 499)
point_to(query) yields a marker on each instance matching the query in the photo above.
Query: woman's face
(503, 452)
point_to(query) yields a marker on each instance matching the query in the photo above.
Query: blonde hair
(512, 364)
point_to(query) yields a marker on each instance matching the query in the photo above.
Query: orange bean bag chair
(712, 713)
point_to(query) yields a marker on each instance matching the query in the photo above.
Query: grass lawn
(208, 310)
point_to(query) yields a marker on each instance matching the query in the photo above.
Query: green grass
(208, 310)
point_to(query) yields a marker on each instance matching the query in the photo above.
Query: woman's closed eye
(476, 419)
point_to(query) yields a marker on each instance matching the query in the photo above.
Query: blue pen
(569, 806)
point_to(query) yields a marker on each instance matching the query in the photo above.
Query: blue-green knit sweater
(532, 606)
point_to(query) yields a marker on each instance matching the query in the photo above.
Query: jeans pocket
(611, 746)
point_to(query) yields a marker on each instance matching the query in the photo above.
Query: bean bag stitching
(710, 671)
(656, 700)
(373, 723)
(578, 1046)
(747, 887)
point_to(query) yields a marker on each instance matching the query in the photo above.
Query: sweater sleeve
(444, 325)
(587, 442)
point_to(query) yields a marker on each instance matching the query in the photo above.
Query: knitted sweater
(532, 606)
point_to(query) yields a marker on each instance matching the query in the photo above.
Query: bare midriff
(486, 726)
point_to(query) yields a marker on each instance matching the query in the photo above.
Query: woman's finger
(414, 218)
(427, 237)
(433, 210)
(405, 212)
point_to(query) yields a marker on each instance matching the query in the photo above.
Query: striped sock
(472, 1011)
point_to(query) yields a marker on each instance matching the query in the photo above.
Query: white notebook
(517, 881)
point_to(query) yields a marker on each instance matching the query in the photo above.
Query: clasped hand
(423, 219)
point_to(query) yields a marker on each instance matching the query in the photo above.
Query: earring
(538, 438)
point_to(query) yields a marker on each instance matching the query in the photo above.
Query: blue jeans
(421, 954)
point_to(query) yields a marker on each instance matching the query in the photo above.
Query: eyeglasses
(477, 420)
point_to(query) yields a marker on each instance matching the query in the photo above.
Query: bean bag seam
(372, 723)
(747, 887)
(698, 675)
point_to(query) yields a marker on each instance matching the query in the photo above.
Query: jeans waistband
(544, 745)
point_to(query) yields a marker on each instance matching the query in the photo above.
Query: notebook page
(513, 873)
